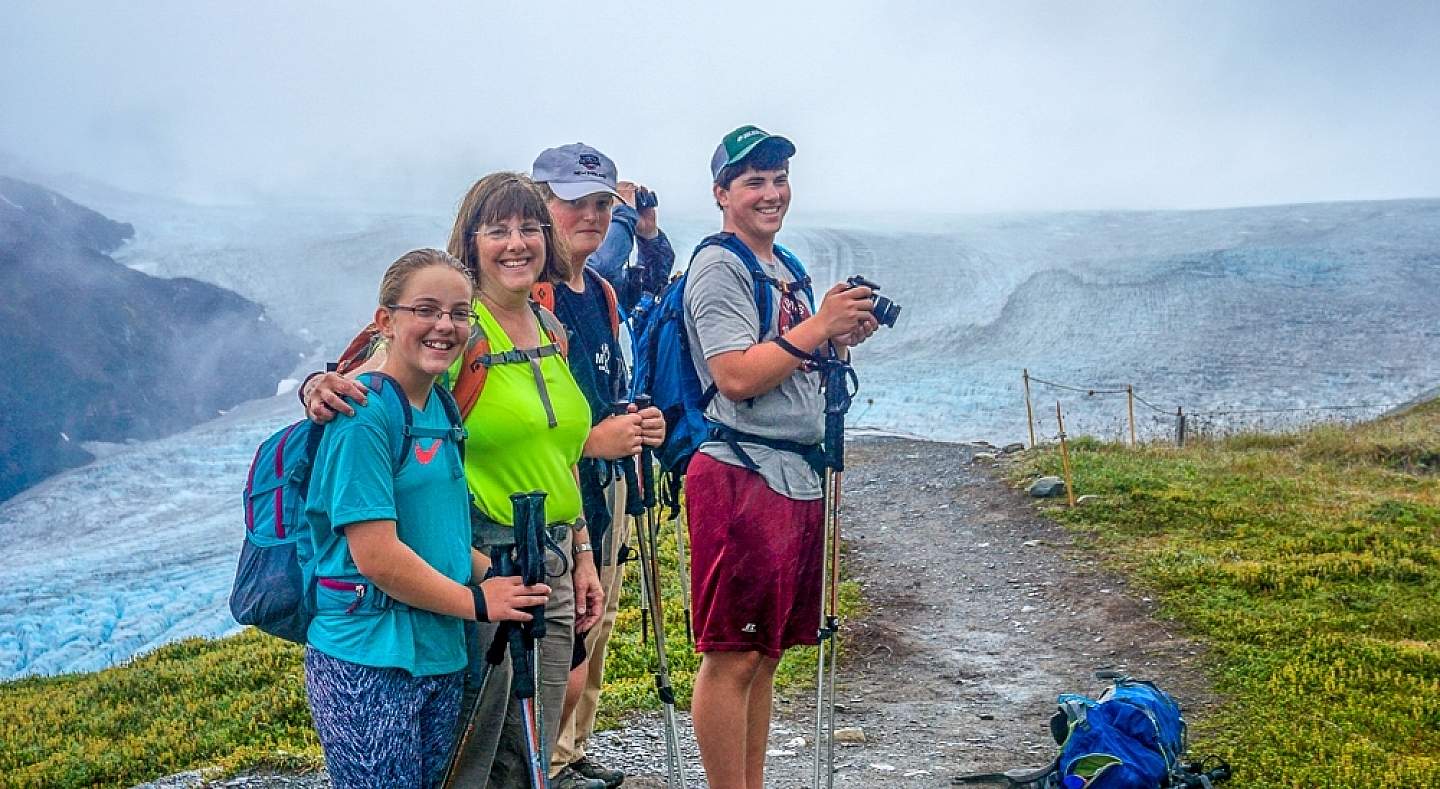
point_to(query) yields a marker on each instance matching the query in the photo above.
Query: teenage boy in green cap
(753, 498)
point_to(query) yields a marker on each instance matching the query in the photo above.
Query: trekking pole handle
(647, 455)
(528, 511)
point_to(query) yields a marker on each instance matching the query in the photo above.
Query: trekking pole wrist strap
(789, 347)
(482, 611)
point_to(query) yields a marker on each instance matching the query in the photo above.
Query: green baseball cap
(738, 144)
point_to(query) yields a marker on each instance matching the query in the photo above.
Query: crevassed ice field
(1235, 310)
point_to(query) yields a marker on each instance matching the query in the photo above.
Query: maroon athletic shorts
(755, 561)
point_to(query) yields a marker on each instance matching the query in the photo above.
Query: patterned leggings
(381, 727)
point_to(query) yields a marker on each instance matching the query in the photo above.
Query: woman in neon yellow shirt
(527, 430)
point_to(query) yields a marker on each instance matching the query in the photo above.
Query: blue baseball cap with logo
(738, 144)
(574, 171)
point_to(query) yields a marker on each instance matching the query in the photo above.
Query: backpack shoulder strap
(471, 380)
(554, 328)
(476, 360)
(612, 301)
(763, 284)
(543, 293)
(360, 349)
(394, 397)
(797, 272)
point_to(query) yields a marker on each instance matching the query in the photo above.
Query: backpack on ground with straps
(274, 584)
(475, 362)
(1132, 736)
(663, 365)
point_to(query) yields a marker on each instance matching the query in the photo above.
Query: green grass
(239, 703)
(1309, 563)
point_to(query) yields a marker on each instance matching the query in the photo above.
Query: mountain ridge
(100, 352)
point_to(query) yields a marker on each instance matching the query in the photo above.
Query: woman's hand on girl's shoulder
(325, 397)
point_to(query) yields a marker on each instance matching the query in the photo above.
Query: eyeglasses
(528, 231)
(429, 313)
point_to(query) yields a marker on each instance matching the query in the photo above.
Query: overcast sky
(933, 106)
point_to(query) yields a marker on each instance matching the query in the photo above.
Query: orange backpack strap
(544, 294)
(611, 301)
(359, 350)
(472, 372)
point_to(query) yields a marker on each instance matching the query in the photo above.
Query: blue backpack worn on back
(663, 366)
(274, 586)
(1131, 737)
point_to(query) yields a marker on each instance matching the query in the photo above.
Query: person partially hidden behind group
(525, 430)
(580, 188)
(384, 681)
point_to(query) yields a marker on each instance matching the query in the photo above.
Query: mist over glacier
(1256, 308)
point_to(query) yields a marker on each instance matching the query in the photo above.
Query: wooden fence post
(1179, 426)
(1065, 457)
(1029, 412)
(1130, 405)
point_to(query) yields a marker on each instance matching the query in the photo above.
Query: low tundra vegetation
(238, 703)
(1309, 563)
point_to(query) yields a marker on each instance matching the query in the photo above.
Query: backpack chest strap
(533, 357)
(456, 434)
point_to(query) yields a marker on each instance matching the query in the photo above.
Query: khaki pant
(576, 729)
(494, 755)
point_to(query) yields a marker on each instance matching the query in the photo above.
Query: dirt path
(980, 612)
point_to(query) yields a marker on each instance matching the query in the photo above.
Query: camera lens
(886, 311)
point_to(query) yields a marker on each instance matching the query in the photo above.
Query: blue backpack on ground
(663, 366)
(1131, 737)
(273, 587)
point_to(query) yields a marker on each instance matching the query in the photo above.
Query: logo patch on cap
(589, 161)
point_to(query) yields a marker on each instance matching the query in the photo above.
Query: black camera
(644, 198)
(885, 310)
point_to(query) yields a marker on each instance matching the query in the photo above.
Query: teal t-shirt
(354, 481)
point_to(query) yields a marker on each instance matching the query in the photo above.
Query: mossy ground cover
(238, 703)
(1310, 564)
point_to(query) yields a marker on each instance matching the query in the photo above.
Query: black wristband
(482, 612)
(790, 348)
(301, 391)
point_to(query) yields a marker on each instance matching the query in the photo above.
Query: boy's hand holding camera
(846, 314)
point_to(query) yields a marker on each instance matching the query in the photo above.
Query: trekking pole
(840, 386)
(501, 564)
(647, 460)
(529, 564)
(634, 506)
(640, 492)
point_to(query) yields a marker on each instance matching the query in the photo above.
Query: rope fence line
(1181, 418)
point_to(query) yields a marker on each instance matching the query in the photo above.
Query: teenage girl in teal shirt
(384, 665)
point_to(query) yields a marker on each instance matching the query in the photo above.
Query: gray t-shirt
(721, 316)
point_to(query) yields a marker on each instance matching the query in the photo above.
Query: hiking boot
(569, 779)
(596, 771)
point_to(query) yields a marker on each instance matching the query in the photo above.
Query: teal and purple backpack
(274, 584)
